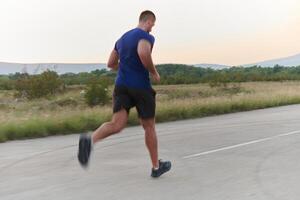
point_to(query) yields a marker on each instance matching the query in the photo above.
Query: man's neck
(142, 27)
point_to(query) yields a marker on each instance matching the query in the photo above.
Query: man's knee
(119, 120)
(117, 127)
(149, 128)
(148, 124)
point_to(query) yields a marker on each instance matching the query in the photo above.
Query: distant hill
(60, 68)
(212, 66)
(286, 61)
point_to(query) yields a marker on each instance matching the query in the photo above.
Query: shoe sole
(82, 151)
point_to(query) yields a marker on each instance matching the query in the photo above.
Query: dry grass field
(68, 113)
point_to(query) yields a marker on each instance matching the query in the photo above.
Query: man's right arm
(144, 51)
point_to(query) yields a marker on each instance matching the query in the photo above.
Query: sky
(231, 32)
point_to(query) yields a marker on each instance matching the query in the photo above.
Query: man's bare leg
(151, 139)
(117, 124)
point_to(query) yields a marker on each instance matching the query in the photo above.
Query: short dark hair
(145, 15)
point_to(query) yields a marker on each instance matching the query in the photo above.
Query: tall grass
(173, 103)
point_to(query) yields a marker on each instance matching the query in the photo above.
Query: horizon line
(203, 63)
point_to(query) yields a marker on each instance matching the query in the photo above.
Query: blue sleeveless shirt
(132, 72)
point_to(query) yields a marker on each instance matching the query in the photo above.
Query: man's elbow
(112, 66)
(109, 65)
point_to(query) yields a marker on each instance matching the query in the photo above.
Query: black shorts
(142, 99)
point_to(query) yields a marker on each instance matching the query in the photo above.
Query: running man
(131, 57)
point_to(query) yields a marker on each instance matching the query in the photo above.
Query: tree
(36, 86)
(97, 92)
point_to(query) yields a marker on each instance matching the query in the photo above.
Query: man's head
(147, 20)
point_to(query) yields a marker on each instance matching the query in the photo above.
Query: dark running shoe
(164, 166)
(84, 149)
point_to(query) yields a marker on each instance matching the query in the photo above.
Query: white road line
(240, 145)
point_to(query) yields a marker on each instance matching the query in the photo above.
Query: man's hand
(156, 76)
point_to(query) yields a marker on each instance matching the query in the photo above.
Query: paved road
(241, 156)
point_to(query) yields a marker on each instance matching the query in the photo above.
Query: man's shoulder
(152, 37)
(147, 36)
(138, 33)
(127, 33)
(134, 30)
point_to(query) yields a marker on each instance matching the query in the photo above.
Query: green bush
(6, 84)
(35, 86)
(97, 92)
